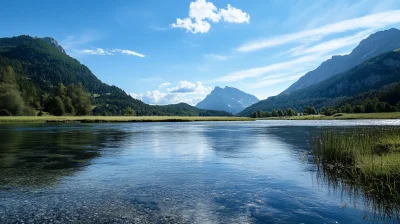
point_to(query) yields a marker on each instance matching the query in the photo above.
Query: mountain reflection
(38, 156)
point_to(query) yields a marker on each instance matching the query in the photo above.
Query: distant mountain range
(374, 63)
(38, 65)
(227, 99)
(372, 46)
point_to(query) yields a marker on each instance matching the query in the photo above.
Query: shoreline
(114, 119)
(341, 116)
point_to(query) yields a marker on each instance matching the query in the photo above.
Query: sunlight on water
(219, 172)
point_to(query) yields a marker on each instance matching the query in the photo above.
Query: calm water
(205, 172)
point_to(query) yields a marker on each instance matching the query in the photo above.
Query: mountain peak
(374, 45)
(53, 43)
(227, 99)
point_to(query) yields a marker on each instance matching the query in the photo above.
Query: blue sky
(166, 52)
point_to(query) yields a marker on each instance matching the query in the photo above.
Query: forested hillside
(385, 99)
(370, 75)
(31, 69)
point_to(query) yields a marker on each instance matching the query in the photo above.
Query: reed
(366, 160)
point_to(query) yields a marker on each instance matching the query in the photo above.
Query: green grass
(341, 116)
(366, 159)
(100, 119)
(359, 147)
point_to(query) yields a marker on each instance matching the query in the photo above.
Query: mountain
(227, 99)
(53, 43)
(32, 68)
(384, 99)
(368, 48)
(370, 75)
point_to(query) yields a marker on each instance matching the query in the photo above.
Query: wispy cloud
(201, 13)
(72, 42)
(101, 51)
(256, 72)
(165, 84)
(128, 52)
(95, 51)
(217, 57)
(276, 79)
(373, 21)
(331, 45)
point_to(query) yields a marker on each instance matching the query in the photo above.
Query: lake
(197, 172)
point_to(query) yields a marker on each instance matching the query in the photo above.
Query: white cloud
(331, 45)
(95, 51)
(234, 15)
(165, 84)
(197, 27)
(151, 97)
(217, 57)
(272, 80)
(201, 13)
(256, 72)
(101, 51)
(128, 52)
(188, 87)
(373, 21)
(201, 9)
(187, 92)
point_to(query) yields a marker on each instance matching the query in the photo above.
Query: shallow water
(201, 172)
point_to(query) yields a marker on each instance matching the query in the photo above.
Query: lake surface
(201, 172)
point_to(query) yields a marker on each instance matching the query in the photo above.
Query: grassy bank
(101, 119)
(367, 159)
(342, 116)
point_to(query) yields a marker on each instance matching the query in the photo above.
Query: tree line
(70, 100)
(385, 99)
(368, 106)
(289, 112)
(274, 113)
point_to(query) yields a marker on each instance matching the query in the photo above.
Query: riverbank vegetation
(365, 159)
(339, 116)
(104, 119)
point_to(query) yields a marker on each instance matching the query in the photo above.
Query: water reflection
(240, 172)
(381, 206)
(41, 155)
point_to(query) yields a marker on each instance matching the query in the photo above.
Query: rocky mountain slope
(227, 99)
(372, 46)
(370, 75)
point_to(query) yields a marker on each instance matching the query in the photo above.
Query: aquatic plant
(363, 160)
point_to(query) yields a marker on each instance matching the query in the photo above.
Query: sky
(166, 52)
